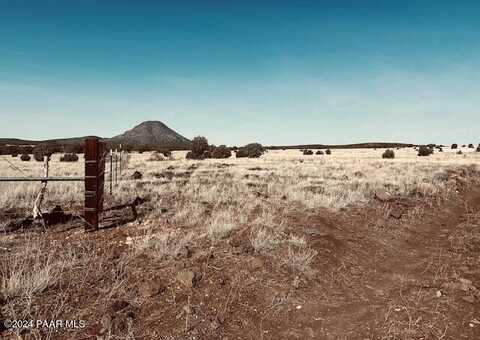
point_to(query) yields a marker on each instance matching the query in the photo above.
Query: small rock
(438, 294)
(256, 263)
(129, 240)
(187, 278)
(150, 288)
(119, 305)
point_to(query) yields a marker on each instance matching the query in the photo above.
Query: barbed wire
(12, 166)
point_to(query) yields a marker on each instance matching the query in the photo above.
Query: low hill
(152, 135)
(342, 146)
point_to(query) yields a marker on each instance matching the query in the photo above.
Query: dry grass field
(286, 246)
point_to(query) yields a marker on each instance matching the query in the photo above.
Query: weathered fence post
(94, 181)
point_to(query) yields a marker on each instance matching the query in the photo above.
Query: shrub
(470, 146)
(156, 157)
(14, 154)
(328, 152)
(221, 152)
(241, 152)
(459, 152)
(255, 150)
(478, 148)
(440, 149)
(454, 146)
(137, 175)
(199, 145)
(193, 155)
(25, 157)
(69, 157)
(307, 152)
(252, 150)
(40, 151)
(166, 152)
(388, 154)
(425, 151)
(320, 152)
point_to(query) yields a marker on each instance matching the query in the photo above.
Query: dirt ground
(399, 267)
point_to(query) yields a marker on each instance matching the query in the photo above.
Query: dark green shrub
(425, 151)
(40, 151)
(241, 152)
(255, 150)
(328, 152)
(252, 150)
(454, 146)
(221, 152)
(25, 157)
(388, 154)
(470, 146)
(320, 152)
(459, 152)
(193, 155)
(69, 157)
(478, 148)
(199, 145)
(307, 152)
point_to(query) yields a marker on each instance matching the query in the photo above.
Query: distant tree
(307, 152)
(328, 152)
(320, 152)
(42, 150)
(241, 152)
(454, 146)
(69, 157)
(25, 157)
(470, 146)
(425, 151)
(388, 154)
(199, 145)
(221, 152)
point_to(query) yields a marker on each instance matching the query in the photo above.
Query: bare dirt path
(406, 279)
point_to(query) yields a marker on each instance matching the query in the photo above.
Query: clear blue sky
(277, 72)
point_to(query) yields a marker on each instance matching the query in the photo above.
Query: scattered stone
(119, 305)
(256, 263)
(187, 278)
(149, 289)
(438, 294)
(137, 175)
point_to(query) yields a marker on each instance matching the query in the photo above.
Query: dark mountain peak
(152, 134)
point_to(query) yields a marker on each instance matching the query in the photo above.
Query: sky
(274, 72)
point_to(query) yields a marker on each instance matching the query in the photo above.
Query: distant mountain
(152, 134)
(149, 135)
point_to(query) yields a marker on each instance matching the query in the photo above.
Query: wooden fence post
(94, 181)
